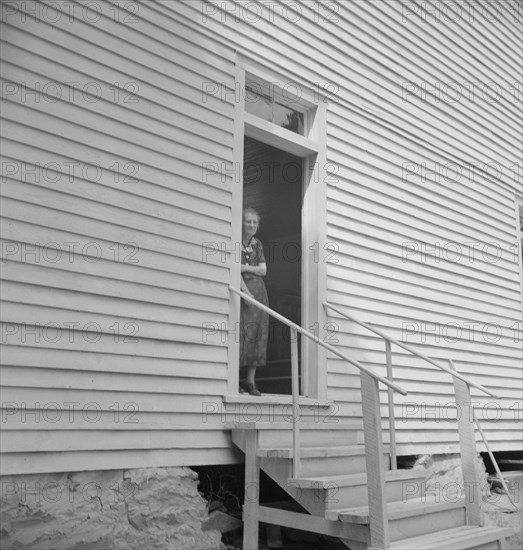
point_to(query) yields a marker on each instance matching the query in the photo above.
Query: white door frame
(311, 147)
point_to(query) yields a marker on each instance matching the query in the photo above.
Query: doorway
(273, 185)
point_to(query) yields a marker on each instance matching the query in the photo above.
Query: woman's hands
(260, 269)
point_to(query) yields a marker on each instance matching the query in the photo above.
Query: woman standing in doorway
(254, 323)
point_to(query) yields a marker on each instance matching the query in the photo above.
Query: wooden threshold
(322, 424)
(274, 399)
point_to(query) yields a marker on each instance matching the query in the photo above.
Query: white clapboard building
(380, 140)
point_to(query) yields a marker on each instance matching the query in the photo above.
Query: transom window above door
(281, 106)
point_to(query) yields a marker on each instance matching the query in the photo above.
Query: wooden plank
(51, 358)
(252, 492)
(164, 114)
(45, 377)
(118, 173)
(50, 278)
(84, 152)
(68, 267)
(43, 296)
(300, 60)
(418, 506)
(392, 252)
(143, 55)
(106, 344)
(452, 297)
(469, 455)
(384, 288)
(296, 412)
(465, 40)
(442, 220)
(106, 440)
(123, 417)
(153, 134)
(33, 463)
(390, 396)
(108, 153)
(370, 130)
(314, 524)
(55, 325)
(266, 132)
(313, 452)
(336, 481)
(378, 524)
(98, 247)
(461, 538)
(321, 424)
(202, 406)
(217, 230)
(236, 231)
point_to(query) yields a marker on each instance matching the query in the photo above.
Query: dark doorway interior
(273, 185)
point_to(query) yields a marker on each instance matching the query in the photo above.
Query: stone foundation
(444, 476)
(125, 509)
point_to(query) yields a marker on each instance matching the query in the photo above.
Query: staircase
(332, 488)
(346, 480)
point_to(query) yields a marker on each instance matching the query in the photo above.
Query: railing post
(392, 419)
(469, 455)
(296, 412)
(251, 504)
(379, 526)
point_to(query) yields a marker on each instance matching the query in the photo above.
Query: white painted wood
(378, 516)
(306, 522)
(414, 517)
(363, 202)
(390, 403)
(461, 538)
(236, 233)
(252, 492)
(296, 411)
(469, 456)
(13, 463)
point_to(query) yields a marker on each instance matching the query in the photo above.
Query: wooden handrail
(412, 350)
(314, 338)
(371, 427)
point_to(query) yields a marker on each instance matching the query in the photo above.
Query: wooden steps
(351, 490)
(396, 510)
(468, 537)
(349, 459)
(332, 487)
(352, 480)
(408, 518)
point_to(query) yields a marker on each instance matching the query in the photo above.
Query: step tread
(459, 538)
(326, 482)
(313, 452)
(395, 510)
(334, 426)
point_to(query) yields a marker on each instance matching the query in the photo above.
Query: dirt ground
(500, 512)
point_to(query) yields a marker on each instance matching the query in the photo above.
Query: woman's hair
(251, 210)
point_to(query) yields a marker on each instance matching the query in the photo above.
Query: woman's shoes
(249, 387)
